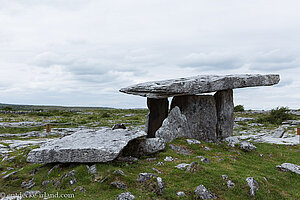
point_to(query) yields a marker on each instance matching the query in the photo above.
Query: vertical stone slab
(158, 111)
(201, 114)
(224, 103)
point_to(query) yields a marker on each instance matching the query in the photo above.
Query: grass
(238, 165)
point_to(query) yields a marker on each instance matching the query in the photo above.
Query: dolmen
(193, 113)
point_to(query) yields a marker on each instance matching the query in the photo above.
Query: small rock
(289, 167)
(28, 185)
(230, 184)
(206, 148)
(71, 173)
(161, 185)
(253, 185)
(119, 185)
(160, 163)
(80, 188)
(118, 126)
(193, 141)
(192, 167)
(182, 166)
(45, 183)
(169, 159)
(9, 168)
(203, 159)
(129, 159)
(247, 146)
(156, 170)
(53, 168)
(120, 172)
(180, 194)
(221, 159)
(92, 170)
(203, 193)
(224, 177)
(8, 175)
(261, 155)
(145, 176)
(125, 196)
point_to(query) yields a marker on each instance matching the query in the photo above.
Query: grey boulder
(85, 146)
(289, 167)
(125, 196)
(253, 185)
(204, 193)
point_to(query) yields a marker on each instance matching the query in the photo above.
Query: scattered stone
(119, 185)
(92, 170)
(207, 148)
(145, 177)
(193, 141)
(247, 146)
(192, 167)
(232, 141)
(203, 193)
(156, 170)
(160, 163)
(9, 168)
(182, 166)
(243, 119)
(230, 184)
(289, 167)
(174, 126)
(125, 196)
(224, 177)
(261, 155)
(221, 159)
(129, 159)
(11, 159)
(80, 188)
(161, 185)
(180, 194)
(181, 150)
(83, 146)
(119, 172)
(203, 159)
(265, 179)
(28, 185)
(118, 126)
(169, 159)
(31, 194)
(53, 168)
(45, 183)
(253, 185)
(8, 175)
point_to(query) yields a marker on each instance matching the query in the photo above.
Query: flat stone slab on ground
(199, 84)
(85, 146)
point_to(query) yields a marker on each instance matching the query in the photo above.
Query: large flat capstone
(85, 146)
(199, 84)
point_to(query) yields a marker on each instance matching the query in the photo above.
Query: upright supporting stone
(158, 111)
(224, 104)
(201, 114)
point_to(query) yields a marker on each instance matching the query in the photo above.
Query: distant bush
(239, 108)
(276, 116)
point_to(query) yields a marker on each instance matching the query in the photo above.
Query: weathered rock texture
(158, 111)
(201, 115)
(199, 84)
(176, 125)
(225, 118)
(289, 167)
(144, 146)
(85, 146)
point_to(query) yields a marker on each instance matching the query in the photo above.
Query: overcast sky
(81, 52)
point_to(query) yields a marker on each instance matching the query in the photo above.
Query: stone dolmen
(204, 117)
(192, 115)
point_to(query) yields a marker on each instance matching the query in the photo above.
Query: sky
(81, 52)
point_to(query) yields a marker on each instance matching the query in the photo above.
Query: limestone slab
(85, 146)
(199, 84)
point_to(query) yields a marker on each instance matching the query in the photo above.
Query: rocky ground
(260, 161)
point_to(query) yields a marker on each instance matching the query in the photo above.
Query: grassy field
(238, 165)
